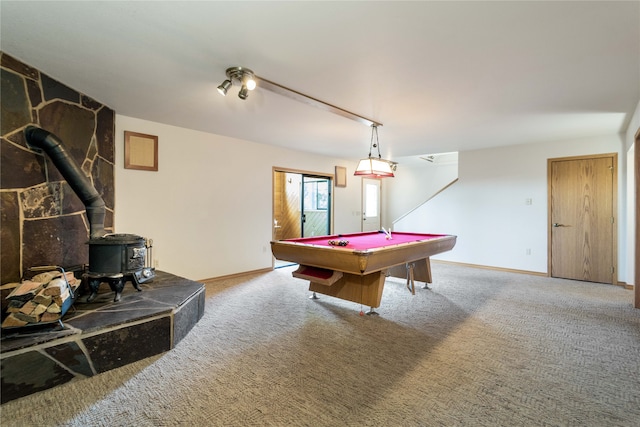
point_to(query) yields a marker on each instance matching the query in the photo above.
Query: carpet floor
(480, 348)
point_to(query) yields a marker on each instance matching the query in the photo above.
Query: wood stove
(116, 259)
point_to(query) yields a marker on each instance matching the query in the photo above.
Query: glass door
(301, 205)
(316, 205)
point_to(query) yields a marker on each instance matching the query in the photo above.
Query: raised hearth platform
(101, 335)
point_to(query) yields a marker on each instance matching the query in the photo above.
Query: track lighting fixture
(247, 78)
(372, 167)
(243, 76)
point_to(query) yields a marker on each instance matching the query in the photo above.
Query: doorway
(582, 218)
(371, 204)
(302, 205)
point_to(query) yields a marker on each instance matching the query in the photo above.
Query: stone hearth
(101, 335)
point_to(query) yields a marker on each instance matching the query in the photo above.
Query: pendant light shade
(372, 167)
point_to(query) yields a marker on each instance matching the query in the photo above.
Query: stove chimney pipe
(51, 144)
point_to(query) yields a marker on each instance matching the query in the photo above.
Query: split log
(60, 299)
(25, 291)
(46, 277)
(28, 308)
(39, 310)
(54, 308)
(56, 287)
(43, 299)
(26, 317)
(49, 317)
(14, 306)
(13, 322)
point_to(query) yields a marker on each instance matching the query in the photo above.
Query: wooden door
(582, 225)
(286, 205)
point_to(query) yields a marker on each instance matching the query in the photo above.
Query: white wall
(208, 212)
(487, 207)
(413, 185)
(202, 231)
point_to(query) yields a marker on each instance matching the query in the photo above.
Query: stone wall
(43, 221)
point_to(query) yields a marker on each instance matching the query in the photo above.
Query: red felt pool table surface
(368, 240)
(356, 271)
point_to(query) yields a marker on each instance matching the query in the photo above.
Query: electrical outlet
(528, 251)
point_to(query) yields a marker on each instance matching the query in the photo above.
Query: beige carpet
(482, 348)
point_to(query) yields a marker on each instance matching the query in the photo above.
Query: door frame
(636, 266)
(614, 156)
(329, 176)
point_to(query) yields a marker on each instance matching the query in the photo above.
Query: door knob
(555, 224)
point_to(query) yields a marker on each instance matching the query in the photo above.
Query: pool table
(354, 266)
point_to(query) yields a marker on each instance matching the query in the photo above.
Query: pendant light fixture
(372, 167)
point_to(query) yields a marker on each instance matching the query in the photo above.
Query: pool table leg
(418, 270)
(362, 289)
(411, 284)
(428, 279)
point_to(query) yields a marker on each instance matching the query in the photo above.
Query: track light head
(250, 82)
(244, 92)
(224, 87)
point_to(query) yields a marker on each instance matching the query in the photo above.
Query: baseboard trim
(487, 267)
(235, 275)
(464, 264)
(511, 270)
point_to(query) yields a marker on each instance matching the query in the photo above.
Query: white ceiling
(439, 76)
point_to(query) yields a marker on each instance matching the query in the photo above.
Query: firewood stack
(40, 300)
